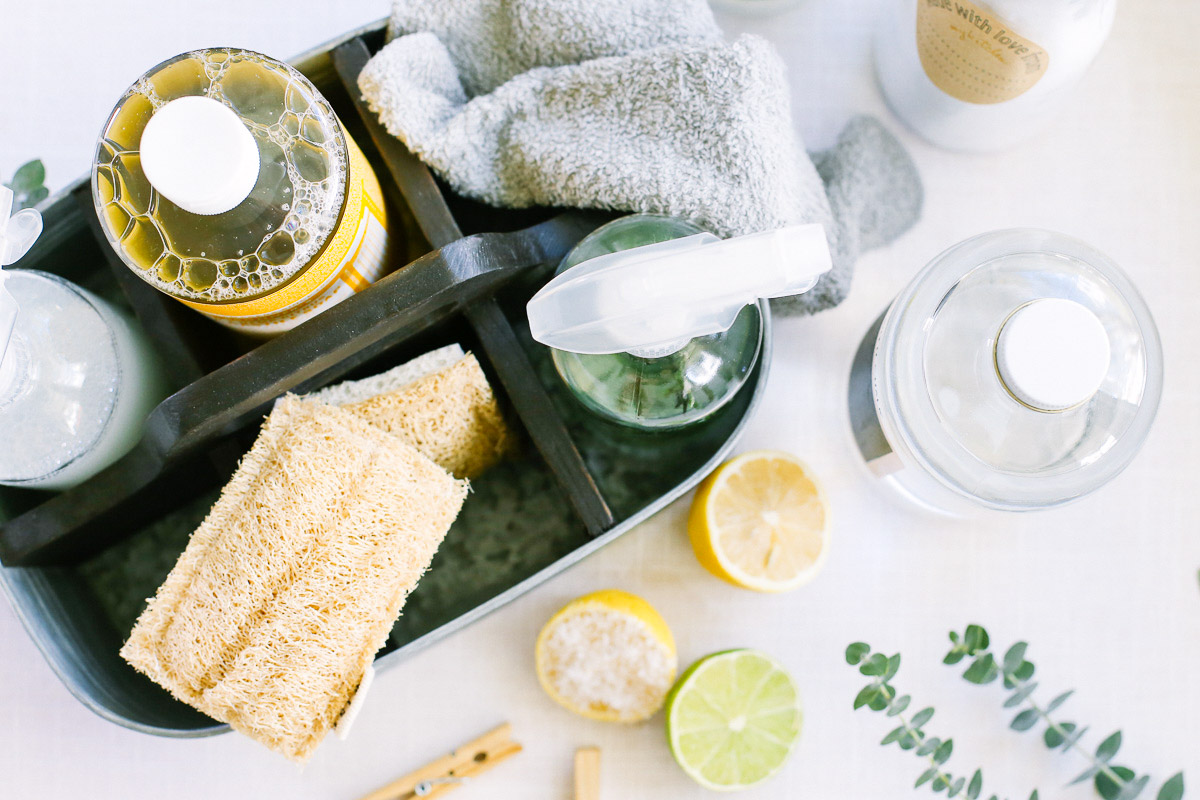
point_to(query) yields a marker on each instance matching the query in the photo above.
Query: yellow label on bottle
(974, 55)
(355, 256)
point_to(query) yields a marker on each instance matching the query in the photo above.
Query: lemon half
(761, 521)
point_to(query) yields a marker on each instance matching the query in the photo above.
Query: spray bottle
(654, 323)
(77, 378)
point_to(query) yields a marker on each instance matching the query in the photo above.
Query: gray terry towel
(631, 105)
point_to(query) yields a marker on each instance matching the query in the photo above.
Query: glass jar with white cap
(1020, 370)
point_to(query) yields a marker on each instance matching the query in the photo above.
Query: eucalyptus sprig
(1112, 782)
(880, 695)
(27, 185)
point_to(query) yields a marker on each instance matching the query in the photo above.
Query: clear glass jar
(978, 76)
(77, 381)
(664, 391)
(1020, 370)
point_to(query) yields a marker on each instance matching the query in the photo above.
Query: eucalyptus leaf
(893, 666)
(909, 740)
(1054, 738)
(880, 701)
(1087, 774)
(976, 785)
(898, 705)
(982, 670)
(926, 777)
(1073, 737)
(954, 656)
(875, 665)
(1172, 789)
(893, 735)
(956, 787)
(1034, 796)
(1022, 673)
(1133, 788)
(1109, 747)
(1025, 720)
(31, 199)
(942, 754)
(975, 639)
(857, 652)
(865, 695)
(28, 177)
(1109, 789)
(929, 745)
(1015, 656)
(1020, 695)
(921, 717)
(940, 783)
(1058, 701)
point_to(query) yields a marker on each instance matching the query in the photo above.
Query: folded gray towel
(630, 105)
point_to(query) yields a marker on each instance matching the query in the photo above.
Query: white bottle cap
(1052, 354)
(653, 299)
(199, 155)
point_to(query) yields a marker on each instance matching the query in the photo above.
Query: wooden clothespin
(587, 773)
(454, 769)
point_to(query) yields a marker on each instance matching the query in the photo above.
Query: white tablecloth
(1105, 590)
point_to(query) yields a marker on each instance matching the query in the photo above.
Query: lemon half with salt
(608, 656)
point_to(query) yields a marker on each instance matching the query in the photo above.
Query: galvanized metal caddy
(480, 265)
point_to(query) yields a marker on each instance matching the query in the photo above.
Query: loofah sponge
(439, 402)
(395, 379)
(451, 416)
(290, 585)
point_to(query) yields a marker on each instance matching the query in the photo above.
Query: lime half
(733, 719)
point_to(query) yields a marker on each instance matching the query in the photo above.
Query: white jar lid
(199, 154)
(1052, 354)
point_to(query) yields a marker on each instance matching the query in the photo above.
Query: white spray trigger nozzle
(18, 232)
(651, 300)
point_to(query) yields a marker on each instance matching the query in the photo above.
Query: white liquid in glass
(78, 383)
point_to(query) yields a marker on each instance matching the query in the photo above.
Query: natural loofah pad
(451, 416)
(396, 378)
(290, 585)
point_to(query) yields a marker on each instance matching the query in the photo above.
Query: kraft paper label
(974, 55)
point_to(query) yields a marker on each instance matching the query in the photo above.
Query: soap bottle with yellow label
(224, 179)
(977, 76)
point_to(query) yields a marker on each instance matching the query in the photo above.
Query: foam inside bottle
(290, 213)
